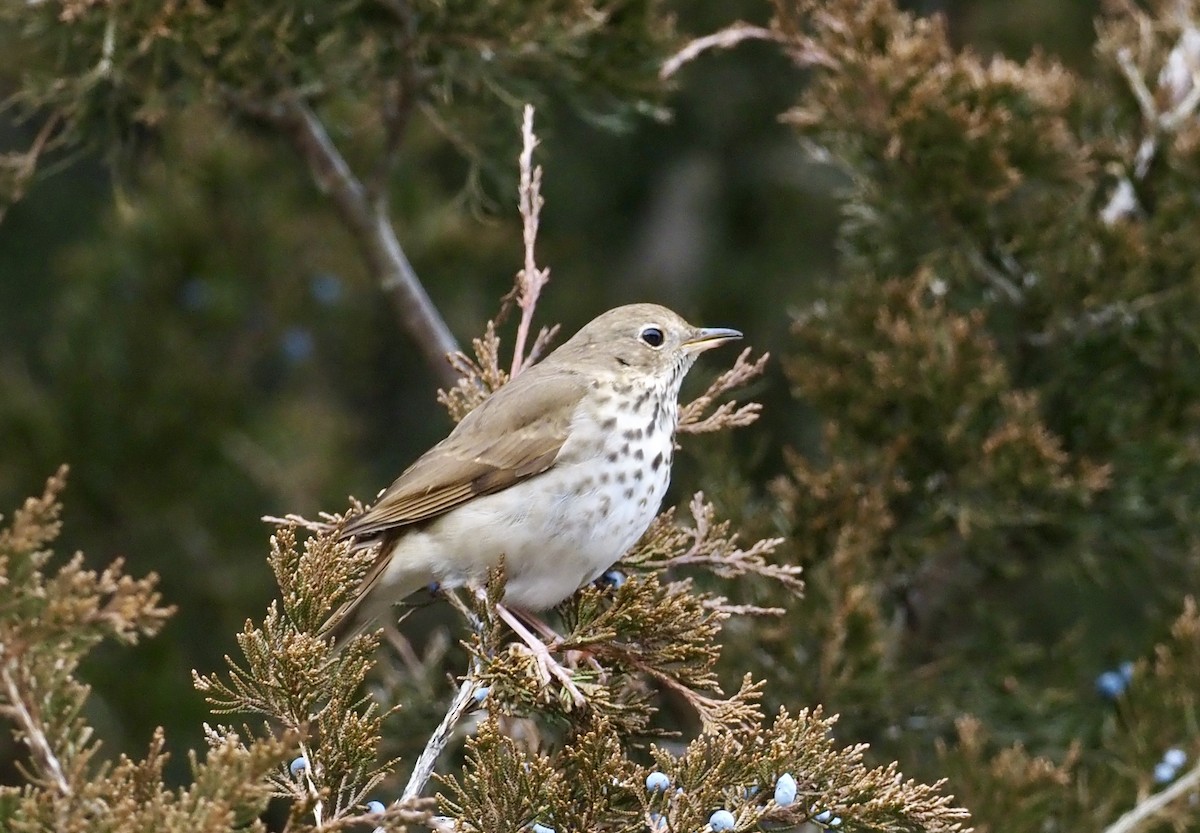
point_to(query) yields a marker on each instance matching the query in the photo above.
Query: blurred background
(202, 344)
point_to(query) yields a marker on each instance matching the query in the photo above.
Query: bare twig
(478, 378)
(107, 47)
(377, 237)
(693, 417)
(1123, 202)
(22, 166)
(725, 39)
(1146, 810)
(1180, 77)
(1184, 110)
(423, 768)
(35, 737)
(712, 546)
(1093, 320)
(544, 337)
(364, 214)
(1137, 86)
(311, 787)
(995, 278)
(530, 279)
(300, 522)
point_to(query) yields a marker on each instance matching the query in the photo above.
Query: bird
(557, 474)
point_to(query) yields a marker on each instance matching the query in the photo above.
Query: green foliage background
(988, 522)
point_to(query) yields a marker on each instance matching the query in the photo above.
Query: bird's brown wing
(515, 434)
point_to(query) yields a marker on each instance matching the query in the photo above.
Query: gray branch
(1146, 810)
(423, 768)
(369, 224)
(35, 738)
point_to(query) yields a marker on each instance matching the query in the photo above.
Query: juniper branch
(1123, 200)
(709, 544)
(1143, 812)
(363, 213)
(34, 734)
(423, 768)
(530, 279)
(694, 417)
(726, 38)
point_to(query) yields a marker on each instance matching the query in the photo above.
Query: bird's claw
(548, 666)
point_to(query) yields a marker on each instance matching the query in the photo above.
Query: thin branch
(1185, 95)
(544, 337)
(104, 68)
(530, 279)
(1146, 810)
(725, 39)
(368, 224)
(1123, 201)
(1091, 321)
(694, 417)
(311, 787)
(423, 768)
(1145, 99)
(35, 738)
(300, 522)
(22, 166)
(375, 234)
(1185, 109)
(994, 277)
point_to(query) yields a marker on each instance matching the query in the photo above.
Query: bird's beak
(708, 337)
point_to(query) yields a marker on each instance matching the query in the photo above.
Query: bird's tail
(344, 624)
(351, 618)
(377, 592)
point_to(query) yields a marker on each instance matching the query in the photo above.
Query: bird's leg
(458, 604)
(546, 663)
(534, 621)
(538, 624)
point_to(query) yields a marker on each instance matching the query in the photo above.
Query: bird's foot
(548, 666)
(555, 641)
(535, 622)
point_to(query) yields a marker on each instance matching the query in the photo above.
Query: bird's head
(640, 342)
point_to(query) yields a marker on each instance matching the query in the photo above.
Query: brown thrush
(559, 472)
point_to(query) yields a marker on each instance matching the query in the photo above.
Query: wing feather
(515, 434)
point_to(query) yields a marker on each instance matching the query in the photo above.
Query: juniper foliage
(579, 768)
(1005, 368)
(50, 618)
(103, 73)
(538, 755)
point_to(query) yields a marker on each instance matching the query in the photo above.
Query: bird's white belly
(590, 511)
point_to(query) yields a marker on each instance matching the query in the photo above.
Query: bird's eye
(652, 336)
